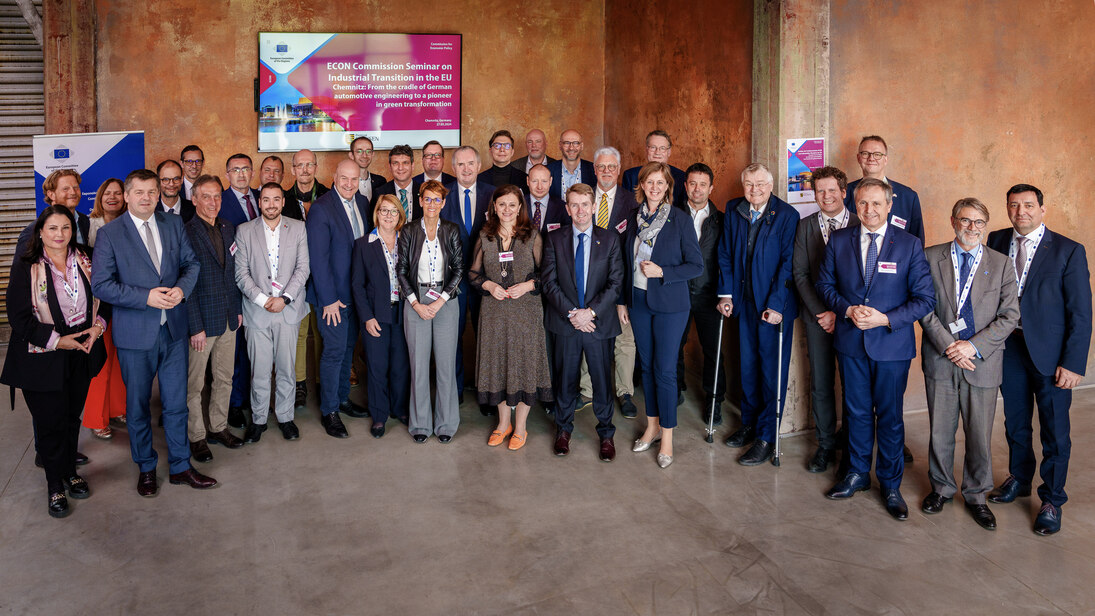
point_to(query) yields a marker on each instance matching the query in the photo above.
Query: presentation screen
(320, 91)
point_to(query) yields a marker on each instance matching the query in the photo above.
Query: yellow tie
(602, 212)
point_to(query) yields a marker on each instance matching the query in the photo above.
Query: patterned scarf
(648, 229)
(40, 276)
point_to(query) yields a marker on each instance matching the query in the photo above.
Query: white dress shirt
(365, 186)
(159, 245)
(460, 202)
(273, 255)
(698, 217)
(610, 194)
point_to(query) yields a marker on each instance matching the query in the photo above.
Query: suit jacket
(371, 284)
(509, 173)
(82, 222)
(703, 288)
(604, 281)
(903, 296)
(772, 256)
(522, 162)
(216, 299)
(453, 211)
(806, 263)
(388, 188)
(677, 251)
(553, 212)
(995, 315)
(446, 179)
(680, 197)
(122, 274)
(187, 210)
(234, 211)
(411, 239)
(589, 176)
(377, 181)
(905, 213)
(331, 246)
(1056, 302)
(294, 201)
(624, 209)
(253, 271)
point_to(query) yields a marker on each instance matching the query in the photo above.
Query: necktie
(353, 218)
(967, 310)
(1020, 257)
(403, 202)
(580, 270)
(536, 217)
(753, 216)
(602, 211)
(150, 243)
(832, 226)
(467, 210)
(250, 208)
(872, 260)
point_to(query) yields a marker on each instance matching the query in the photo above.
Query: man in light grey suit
(976, 309)
(271, 271)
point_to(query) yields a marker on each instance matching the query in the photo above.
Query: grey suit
(954, 392)
(272, 337)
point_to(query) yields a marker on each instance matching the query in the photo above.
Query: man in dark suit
(546, 211)
(172, 200)
(193, 161)
(658, 150)
(466, 205)
(1045, 357)
(144, 267)
(401, 161)
(755, 253)
(306, 189)
(876, 280)
(811, 237)
(976, 308)
(572, 169)
(335, 220)
(501, 153)
(582, 276)
(214, 314)
(433, 164)
(361, 152)
(536, 146)
(61, 187)
(906, 214)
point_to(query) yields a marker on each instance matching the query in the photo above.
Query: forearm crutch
(710, 438)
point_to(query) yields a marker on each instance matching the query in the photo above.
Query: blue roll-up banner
(97, 157)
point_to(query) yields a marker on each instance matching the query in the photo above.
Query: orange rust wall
(684, 67)
(183, 70)
(972, 97)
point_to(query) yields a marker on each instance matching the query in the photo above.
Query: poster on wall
(321, 91)
(804, 156)
(97, 157)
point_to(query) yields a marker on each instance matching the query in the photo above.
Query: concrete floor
(364, 526)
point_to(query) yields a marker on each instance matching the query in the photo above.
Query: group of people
(570, 279)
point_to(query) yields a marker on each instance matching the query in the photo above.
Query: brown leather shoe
(192, 478)
(226, 438)
(146, 483)
(562, 443)
(608, 450)
(199, 450)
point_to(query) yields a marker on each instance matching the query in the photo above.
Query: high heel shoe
(641, 445)
(664, 460)
(498, 436)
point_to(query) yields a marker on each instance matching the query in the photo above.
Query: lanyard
(73, 291)
(1032, 247)
(841, 222)
(962, 295)
(391, 259)
(434, 270)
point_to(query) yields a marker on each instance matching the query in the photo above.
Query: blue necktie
(872, 260)
(967, 310)
(467, 210)
(580, 270)
(403, 202)
(753, 216)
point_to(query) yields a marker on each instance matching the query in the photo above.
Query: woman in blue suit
(380, 312)
(662, 255)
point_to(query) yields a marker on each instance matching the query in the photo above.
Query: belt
(430, 285)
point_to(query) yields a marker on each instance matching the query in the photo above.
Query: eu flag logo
(282, 48)
(60, 153)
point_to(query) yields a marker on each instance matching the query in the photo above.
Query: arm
(726, 258)
(991, 338)
(936, 332)
(244, 279)
(555, 298)
(827, 284)
(691, 258)
(921, 292)
(476, 276)
(24, 325)
(295, 287)
(403, 274)
(359, 280)
(780, 296)
(189, 266)
(800, 271)
(319, 238)
(1076, 286)
(456, 264)
(537, 252)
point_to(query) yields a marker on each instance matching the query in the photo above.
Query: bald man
(536, 146)
(572, 169)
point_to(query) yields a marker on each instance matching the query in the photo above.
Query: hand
(373, 327)
(827, 321)
(497, 292)
(865, 317)
(621, 311)
(650, 269)
(69, 342)
(435, 307)
(960, 349)
(275, 304)
(197, 341)
(518, 290)
(1066, 379)
(423, 311)
(94, 332)
(580, 317)
(588, 328)
(965, 363)
(331, 315)
(176, 295)
(239, 320)
(725, 306)
(772, 317)
(159, 298)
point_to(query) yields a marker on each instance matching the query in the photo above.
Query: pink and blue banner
(804, 156)
(97, 157)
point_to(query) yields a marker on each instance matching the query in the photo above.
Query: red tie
(250, 208)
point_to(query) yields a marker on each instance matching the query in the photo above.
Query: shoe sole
(755, 462)
(849, 496)
(62, 514)
(78, 496)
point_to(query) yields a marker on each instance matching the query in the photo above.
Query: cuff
(727, 296)
(412, 298)
(54, 338)
(261, 299)
(101, 322)
(445, 295)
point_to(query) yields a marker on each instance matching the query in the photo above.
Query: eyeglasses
(872, 155)
(758, 185)
(304, 166)
(660, 149)
(433, 156)
(388, 212)
(612, 167)
(571, 144)
(360, 151)
(193, 161)
(174, 180)
(432, 200)
(975, 222)
(239, 170)
(502, 147)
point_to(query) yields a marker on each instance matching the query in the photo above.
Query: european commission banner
(97, 157)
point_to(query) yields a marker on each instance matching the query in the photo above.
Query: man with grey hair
(536, 146)
(659, 147)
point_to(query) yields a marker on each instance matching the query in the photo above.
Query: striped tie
(602, 212)
(872, 260)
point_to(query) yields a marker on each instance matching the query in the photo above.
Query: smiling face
(828, 196)
(1024, 212)
(654, 187)
(872, 207)
(433, 159)
(361, 152)
(271, 171)
(758, 188)
(271, 201)
(608, 171)
(304, 167)
(872, 159)
(142, 197)
(347, 175)
(536, 144)
(170, 181)
(56, 232)
(387, 216)
(570, 144)
(969, 227)
(192, 163)
(431, 204)
(401, 168)
(699, 189)
(112, 199)
(580, 208)
(207, 201)
(67, 192)
(466, 166)
(658, 149)
(506, 208)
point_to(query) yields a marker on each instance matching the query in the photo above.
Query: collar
(240, 195)
(706, 210)
(1034, 236)
(958, 250)
(881, 230)
(588, 232)
(139, 223)
(407, 187)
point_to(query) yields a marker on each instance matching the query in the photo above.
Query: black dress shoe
(199, 450)
(982, 516)
(908, 455)
(444, 438)
(562, 443)
(759, 453)
(627, 407)
(58, 504)
(301, 400)
(895, 505)
(81, 459)
(933, 502)
(707, 413)
(225, 438)
(847, 487)
(377, 430)
(420, 438)
(1048, 520)
(332, 423)
(742, 437)
(289, 430)
(254, 433)
(608, 450)
(353, 409)
(77, 487)
(192, 478)
(146, 483)
(821, 460)
(404, 418)
(1009, 491)
(236, 417)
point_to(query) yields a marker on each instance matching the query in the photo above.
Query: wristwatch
(288, 300)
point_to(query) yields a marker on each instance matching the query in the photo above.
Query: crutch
(710, 438)
(779, 393)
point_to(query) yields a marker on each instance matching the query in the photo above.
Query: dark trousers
(657, 343)
(336, 360)
(167, 359)
(874, 394)
(707, 319)
(241, 373)
(469, 303)
(389, 368)
(759, 344)
(567, 359)
(1023, 385)
(819, 347)
(56, 421)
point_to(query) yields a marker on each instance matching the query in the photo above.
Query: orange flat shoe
(498, 436)
(517, 441)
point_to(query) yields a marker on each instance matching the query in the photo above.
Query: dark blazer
(331, 246)
(604, 280)
(806, 263)
(82, 222)
(589, 176)
(388, 188)
(702, 288)
(377, 181)
(234, 211)
(625, 209)
(43, 371)
(294, 198)
(446, 179)
(521, 163)
(411, 239)
(371, 285)
(680, 198)
(772, 256)
(554, 212)
(216, 298)
(500, 176)
(453, 211)
(905, 296)
(677, 252)
(1055, 303)
(906, 207)
(187, 210)
(122, 274)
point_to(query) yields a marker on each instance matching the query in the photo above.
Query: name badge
(505, 257)
(899, 222)
(887, 267)
(232, 249)
(433, 294)
(277, 285)
(553, 226)
(620, 228)
(957, 326)
(73, 320)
